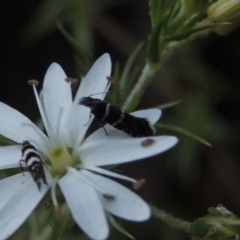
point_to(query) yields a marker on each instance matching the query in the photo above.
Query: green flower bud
(219, 223)
(225, 11)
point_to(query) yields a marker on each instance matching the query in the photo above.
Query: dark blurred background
(204, 74)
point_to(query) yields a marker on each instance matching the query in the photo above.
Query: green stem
(142, 83)
(171, 220)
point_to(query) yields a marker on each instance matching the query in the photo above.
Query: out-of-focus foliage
(74, 13)
(76, 46)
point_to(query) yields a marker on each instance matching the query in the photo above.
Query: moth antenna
(124, 89)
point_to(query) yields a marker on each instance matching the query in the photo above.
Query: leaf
(76, 47)
(113, 94)
(182, 131)
(120, 90)
(155, 11)
(191, 22)
(171, 12)
(162, 19)
(153, 44)
(118, 227)
(128, 66)
(43, 20)
(169, 104)
(187, 33)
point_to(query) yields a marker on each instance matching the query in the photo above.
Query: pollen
(60, 159)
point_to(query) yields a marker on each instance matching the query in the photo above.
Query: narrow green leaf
(43, 20)
(113, 95)
(133, 76)
(6, 141)
(182, 131)
(128, 66)
(115, 224)
(76, 47)
(187, 33)
(195, 18)
(120, 90)
(153, 44)
(171, 10)
(155, 10)
(169, 104)
(174, 19)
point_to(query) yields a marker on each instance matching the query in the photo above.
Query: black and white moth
(34, 163)
(133, 126)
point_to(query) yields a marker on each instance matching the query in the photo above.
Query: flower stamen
(71, 80)
(102, 191)
(108, 173)
(34, 83)
(53, 192)
(137, 185)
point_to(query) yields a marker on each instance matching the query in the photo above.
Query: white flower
(70, 159)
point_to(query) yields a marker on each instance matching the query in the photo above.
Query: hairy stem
(171, 220)
(142, 83)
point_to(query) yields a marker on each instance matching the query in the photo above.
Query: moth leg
(20, 164)
(105, 131)
(102, 125)
(109, 83)
(90, 115)
(48, 204)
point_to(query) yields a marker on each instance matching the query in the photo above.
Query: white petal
(100, 153)
(94, 82)
(9, 187)
(19, 197)
(125, 203)
(10, 156)
(152, 115)
(17, 127)
(84, 205)
(57, 99)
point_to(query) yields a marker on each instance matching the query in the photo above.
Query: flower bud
(224, 11)
(219, 223)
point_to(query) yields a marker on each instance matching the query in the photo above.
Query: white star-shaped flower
(72, 161)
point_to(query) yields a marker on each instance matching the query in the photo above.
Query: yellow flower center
(60, 159)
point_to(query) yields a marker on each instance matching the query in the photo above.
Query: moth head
(25, 143)
(88, 101)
